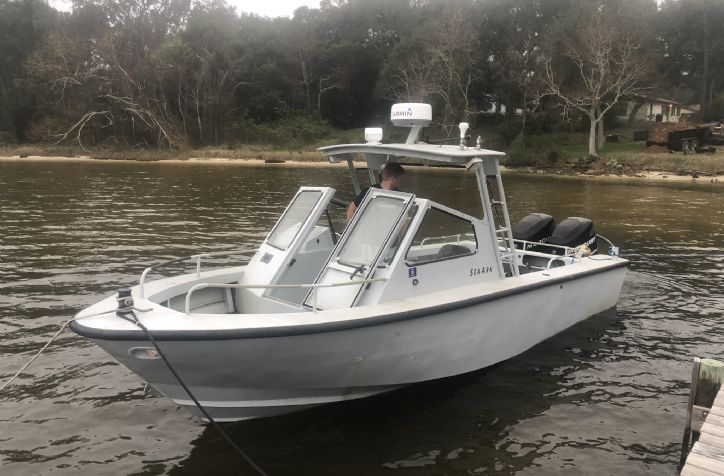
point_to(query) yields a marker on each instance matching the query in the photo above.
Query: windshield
(371, 231)
(293, 219)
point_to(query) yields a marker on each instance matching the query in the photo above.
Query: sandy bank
(660, 176)
(650, 175)
(671, 177)
(191, 160)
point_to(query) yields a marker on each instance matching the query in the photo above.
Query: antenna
(413, 115)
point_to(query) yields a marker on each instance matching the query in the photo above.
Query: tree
(437, 63)
(601, 65)
(410, 76)
(24, 24)
(199, 75)
(103, 79)
(170, 73)
(513, 33)
(454, 46)
(693, 47)
(338, 51)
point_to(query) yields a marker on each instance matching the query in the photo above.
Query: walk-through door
(360, 249)
(277, 255)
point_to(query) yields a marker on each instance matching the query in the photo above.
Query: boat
(408, 291)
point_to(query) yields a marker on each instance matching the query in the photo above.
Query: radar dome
(411, 114)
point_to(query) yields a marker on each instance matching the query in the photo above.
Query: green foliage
(693, 41)
(539, 152)
(291, 132)
(716, 112)
(185, 73)
(23, 28)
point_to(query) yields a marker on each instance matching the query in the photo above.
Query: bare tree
(453, 45)
(334, 80)
(608, 65)
(314, 79)
(413, 80)
(520, 64)
(304, 62)
(438, 68)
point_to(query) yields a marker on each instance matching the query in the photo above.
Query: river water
(607, 396)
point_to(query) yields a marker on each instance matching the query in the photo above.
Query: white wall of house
(670, 111)
(503, 109)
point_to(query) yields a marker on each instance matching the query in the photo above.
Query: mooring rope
(22, 369)
(47, 344)
(124, 309)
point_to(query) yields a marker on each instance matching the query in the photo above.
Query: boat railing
(197, 257)
(526, 245)
(551, 259)
(613, 250)
(313, 286)
(446, 239)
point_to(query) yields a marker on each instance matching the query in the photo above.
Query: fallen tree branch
(78, 126)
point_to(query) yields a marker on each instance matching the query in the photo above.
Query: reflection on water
(604, 397)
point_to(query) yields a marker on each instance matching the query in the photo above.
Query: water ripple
(606, 396)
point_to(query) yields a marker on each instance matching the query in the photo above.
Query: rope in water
(47, 344)
(134, 319)
(130, 310)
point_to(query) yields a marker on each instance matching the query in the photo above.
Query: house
(493, 109)
(654, 109)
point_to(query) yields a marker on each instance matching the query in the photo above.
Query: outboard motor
(572, 232)
(536, 228)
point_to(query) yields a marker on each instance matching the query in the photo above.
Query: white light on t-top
(464, 126)
(373, 135)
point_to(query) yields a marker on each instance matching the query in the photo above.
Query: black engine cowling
(535, 228)
(572, 232)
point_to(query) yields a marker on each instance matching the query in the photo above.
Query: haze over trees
(187, 73)
(602, 62)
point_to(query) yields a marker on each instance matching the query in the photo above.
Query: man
(391, 180)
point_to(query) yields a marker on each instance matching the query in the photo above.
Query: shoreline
(644, 175)
(647, 176)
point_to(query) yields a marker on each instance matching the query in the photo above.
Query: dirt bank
(605, 169)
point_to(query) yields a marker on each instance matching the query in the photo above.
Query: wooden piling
(711, 376)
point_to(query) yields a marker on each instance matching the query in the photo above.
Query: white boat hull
(242, 373)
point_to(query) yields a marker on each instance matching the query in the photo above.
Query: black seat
(451, 250)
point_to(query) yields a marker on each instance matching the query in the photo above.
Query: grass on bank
(565, 152)
(293, 138)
